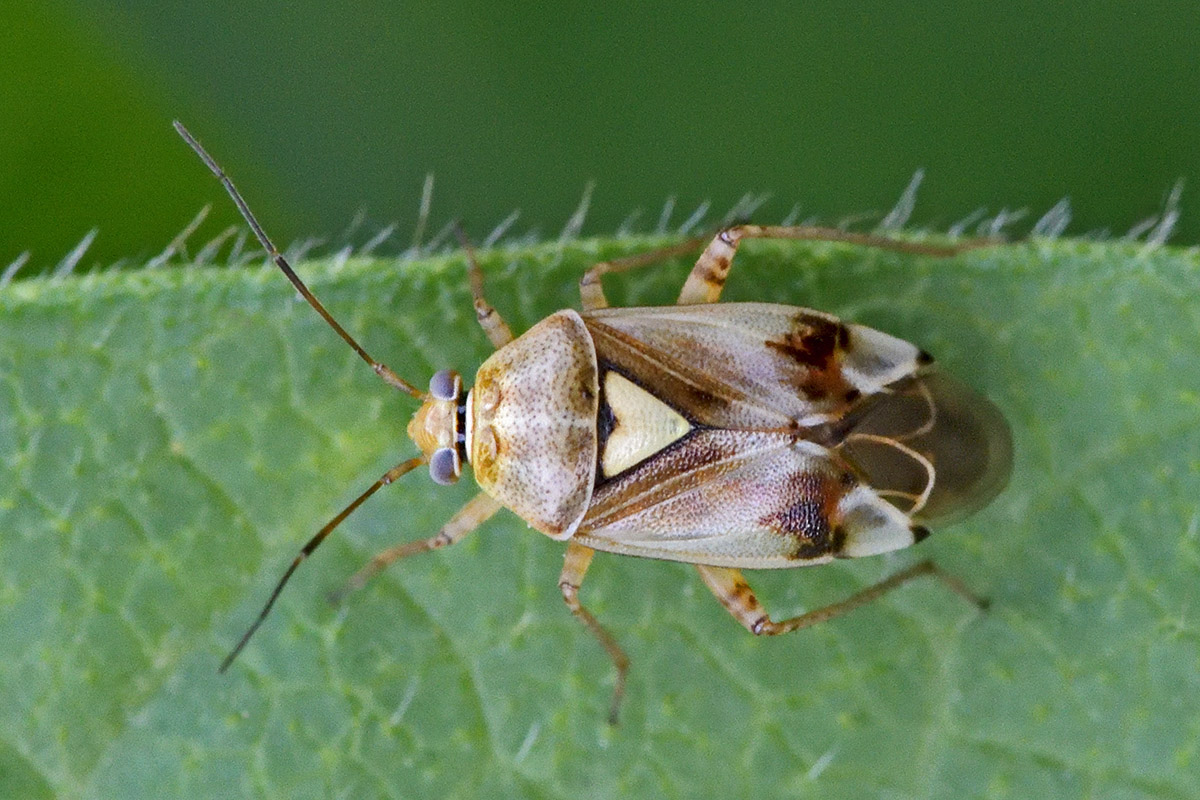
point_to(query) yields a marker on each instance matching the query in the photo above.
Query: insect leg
(735, 594)
(707, 278)
(477, 511)
(591, 291)
(575, 565)
(494, 326)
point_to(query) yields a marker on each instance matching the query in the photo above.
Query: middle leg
(575, 565)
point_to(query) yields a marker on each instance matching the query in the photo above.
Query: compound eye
(444, 467)
(444, 385)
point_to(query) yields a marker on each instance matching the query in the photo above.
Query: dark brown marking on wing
(817, 344)
(811, 516)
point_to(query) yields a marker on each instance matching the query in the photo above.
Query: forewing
(742, 499)
(745, 366)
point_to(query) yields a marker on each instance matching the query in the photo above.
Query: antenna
(312, 544)
(382, 370)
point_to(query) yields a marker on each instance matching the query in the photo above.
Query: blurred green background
(168, 438)
(322, 110)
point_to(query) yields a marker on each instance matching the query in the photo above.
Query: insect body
(733, 436)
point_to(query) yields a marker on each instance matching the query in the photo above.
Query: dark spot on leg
(741, 593)
(715, 274)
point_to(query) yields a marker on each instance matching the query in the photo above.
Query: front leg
(478, 510)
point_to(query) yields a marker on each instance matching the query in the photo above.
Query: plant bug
(729, 436)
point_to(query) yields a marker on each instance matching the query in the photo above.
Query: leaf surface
(169, 438)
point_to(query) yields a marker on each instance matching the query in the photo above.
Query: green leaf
(169, 438)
